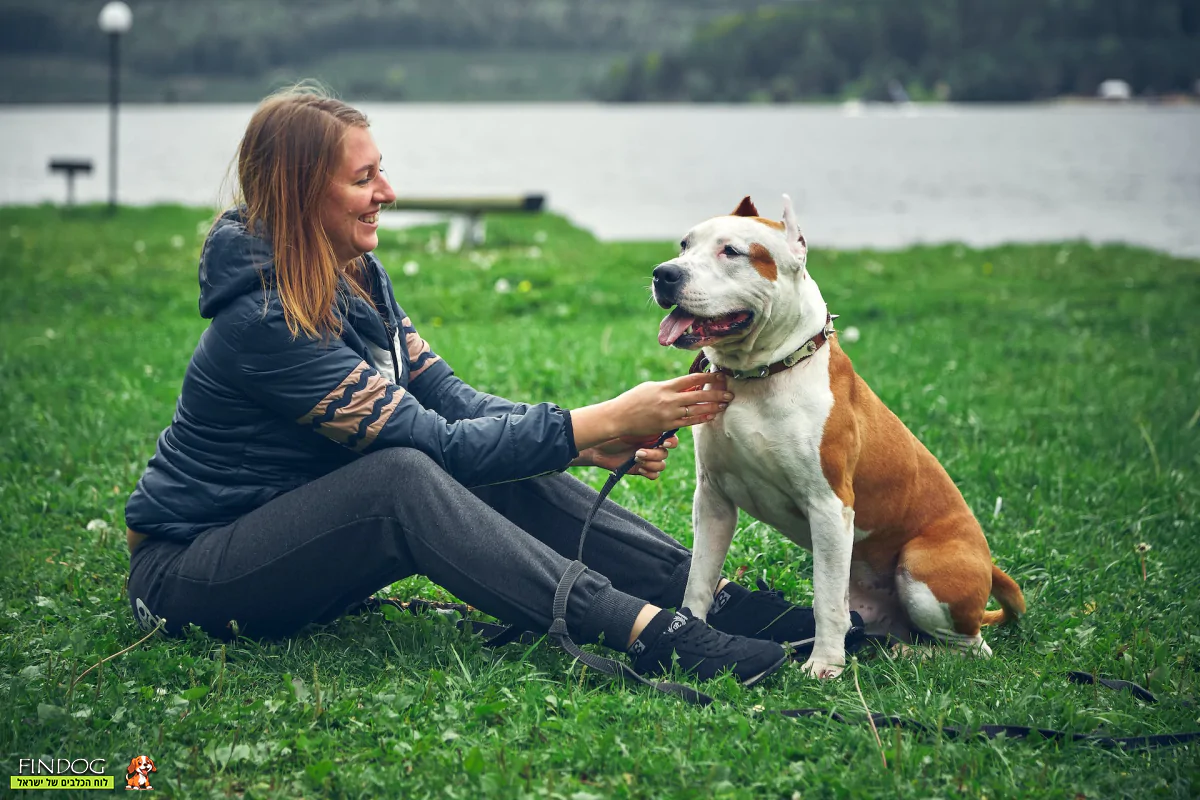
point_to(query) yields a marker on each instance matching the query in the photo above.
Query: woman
(320, 450)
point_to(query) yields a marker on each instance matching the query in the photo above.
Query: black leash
(1022, 731)
(1147, 742)
(558, 629)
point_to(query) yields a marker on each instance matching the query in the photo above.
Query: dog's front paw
(822, 669)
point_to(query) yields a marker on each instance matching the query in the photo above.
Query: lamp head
(116, 17)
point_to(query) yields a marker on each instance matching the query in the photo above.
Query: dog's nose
(668, 276)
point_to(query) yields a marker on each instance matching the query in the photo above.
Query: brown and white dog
(137, 774)
(808, 448)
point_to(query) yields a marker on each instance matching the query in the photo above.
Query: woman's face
(357, 188)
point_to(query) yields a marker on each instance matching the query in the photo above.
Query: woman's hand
(651, 461)
(650, 408)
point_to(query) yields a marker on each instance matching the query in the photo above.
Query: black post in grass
(115, 19)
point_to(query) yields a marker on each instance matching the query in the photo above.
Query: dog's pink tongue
(673, 326)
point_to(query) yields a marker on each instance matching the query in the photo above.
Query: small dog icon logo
(137, 774)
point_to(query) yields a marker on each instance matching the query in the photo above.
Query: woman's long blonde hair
(285, 163)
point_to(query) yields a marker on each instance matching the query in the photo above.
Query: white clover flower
(503, 287)
(411, 268)
(177, 242)
(851, 335)
(97, 525)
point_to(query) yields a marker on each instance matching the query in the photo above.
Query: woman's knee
(396, 478)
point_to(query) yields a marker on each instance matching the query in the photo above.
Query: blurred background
(889, 123)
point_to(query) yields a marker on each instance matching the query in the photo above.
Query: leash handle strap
(608, 666)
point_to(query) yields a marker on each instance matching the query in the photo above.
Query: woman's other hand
(651, 461)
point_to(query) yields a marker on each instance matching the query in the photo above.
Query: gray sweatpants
(311, 554)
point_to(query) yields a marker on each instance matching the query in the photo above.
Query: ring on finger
(687, 412)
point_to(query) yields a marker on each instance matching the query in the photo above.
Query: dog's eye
(730, 251)
(683, 245)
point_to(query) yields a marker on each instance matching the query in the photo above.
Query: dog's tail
(1008, 594)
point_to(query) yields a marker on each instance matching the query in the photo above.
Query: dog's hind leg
(944, 587)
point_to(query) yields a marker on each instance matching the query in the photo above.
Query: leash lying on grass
(500, 635)
(493, 632)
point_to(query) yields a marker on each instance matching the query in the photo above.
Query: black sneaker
(767, 614)
(702, 651)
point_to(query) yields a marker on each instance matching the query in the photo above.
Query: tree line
(970, 50)
(247, 37)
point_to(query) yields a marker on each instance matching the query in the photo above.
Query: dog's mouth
(687, 331)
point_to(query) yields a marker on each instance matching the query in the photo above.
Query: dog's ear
(152, 767)
(791, 229)
(132, 768)
(745, 208)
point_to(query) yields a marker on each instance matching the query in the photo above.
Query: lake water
(874, 176)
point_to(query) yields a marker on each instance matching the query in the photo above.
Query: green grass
(1061, 378)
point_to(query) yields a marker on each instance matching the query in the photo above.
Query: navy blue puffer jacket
(261, 413)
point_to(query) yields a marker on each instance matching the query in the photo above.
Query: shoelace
(696, 635)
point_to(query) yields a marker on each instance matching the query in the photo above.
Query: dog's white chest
(764, 452)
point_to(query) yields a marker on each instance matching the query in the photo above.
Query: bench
(466, 213)
(70, 166)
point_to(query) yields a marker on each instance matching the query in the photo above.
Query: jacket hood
(234, 262)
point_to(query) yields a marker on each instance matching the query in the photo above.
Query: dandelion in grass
(50, 333)
(411, 268)
(97, 525)
(1142, 548)
(503, 286)
(851, 335)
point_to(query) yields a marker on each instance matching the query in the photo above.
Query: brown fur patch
(763, 263)
(770, 223)
(745, 208)
(917, 517)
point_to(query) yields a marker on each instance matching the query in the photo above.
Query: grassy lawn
(1059, 385)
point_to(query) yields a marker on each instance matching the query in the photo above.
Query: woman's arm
(327, 388)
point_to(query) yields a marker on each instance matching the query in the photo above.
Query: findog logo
(137, 774)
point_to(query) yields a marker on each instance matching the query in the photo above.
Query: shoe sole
(751, 681)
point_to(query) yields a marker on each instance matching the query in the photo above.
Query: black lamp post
(115, 19)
